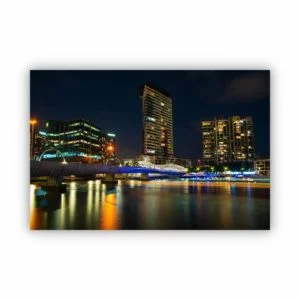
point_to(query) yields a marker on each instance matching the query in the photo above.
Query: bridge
(55, 171)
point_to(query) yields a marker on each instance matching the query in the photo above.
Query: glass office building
(77, 140)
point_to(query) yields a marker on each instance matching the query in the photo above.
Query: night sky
(110, 100)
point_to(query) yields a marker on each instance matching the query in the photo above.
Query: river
(157, 204)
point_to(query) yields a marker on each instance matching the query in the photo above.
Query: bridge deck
(46, 168)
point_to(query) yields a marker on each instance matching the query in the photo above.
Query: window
(150, 151)
(151, 119)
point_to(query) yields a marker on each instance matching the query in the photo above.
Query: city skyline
(110, 99)
(122, 150)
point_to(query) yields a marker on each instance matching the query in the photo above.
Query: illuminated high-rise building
(223, 145)
(228, 140)
(209, 142)
(242, 139)
(157, 123)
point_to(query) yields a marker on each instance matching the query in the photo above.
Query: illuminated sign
(65, 154)
(49, 155)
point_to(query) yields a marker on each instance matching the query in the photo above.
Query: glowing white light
(151, 119)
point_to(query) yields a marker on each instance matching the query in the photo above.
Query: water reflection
(89, 200)
(63, 211)
(151, 205)
(109, 211)
(72, 204)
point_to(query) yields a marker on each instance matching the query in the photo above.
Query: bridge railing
(166, 167)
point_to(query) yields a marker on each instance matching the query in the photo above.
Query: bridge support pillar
(55, 183)
(110, 181)
(144, 176)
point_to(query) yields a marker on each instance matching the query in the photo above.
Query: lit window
(151, 119)
(150, 151)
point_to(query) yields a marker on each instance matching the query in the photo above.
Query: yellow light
(32, 122)
(110, 148)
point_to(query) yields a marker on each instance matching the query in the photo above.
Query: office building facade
(262, 167)
(77, 140)
(157, 111)
(227, 140)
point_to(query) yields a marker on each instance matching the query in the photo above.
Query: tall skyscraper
(242, 139)
(223, 145)
(209, 142)
(228, 140)
(157, 123)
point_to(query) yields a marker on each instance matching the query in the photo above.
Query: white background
(156, 264)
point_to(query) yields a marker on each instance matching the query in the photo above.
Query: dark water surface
(151, 205)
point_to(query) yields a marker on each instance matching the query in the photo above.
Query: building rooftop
(154, 87)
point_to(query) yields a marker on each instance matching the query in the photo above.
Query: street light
(109, 152)
(110, 148)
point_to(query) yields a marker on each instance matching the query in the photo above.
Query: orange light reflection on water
(109, 212)
(36, 215)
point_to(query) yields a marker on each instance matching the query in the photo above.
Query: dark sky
(110, 100)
